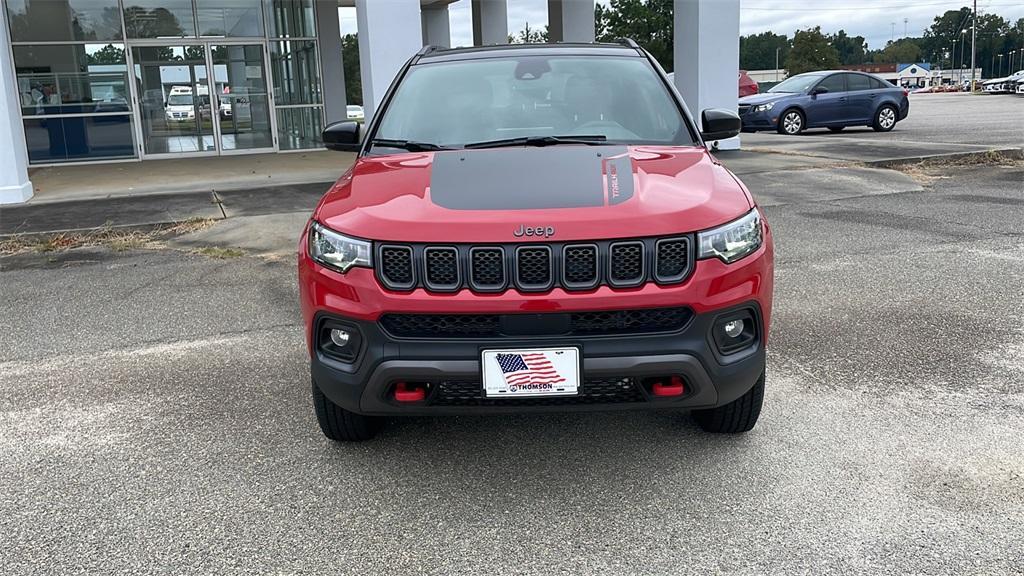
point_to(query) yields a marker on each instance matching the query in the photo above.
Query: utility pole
(974, 39)
(777, 48)
(892, 33)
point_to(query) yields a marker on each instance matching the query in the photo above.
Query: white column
(389, 34)
(490, 22)
(707, 56)
(436, 26)
(15, 186)
(328, 33)
(570, 20)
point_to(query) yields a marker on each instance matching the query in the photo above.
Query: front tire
(738, 416)
(791, 122)
(885, 118)
(342, 425)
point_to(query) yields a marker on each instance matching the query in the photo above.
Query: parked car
(354, 112)
(747, 85)
(830, 99)
(535, 228)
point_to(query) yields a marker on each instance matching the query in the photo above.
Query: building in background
(131, 80)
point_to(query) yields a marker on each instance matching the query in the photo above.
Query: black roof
(435, 54)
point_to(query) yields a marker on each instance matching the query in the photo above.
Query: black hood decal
(531, 178)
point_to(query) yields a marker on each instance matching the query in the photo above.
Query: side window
(879, 84)
(855, 82)
(834, 83)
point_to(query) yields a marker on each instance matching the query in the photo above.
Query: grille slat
(580, 323)
(487, 268)
(396, 269)
(592, 391)
(535, 267)
(441, 268)
(627, 264)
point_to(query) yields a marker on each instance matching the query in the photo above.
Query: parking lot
(155, 417)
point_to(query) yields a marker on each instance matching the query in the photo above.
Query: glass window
(295, 73)
(230, 18)
(299, 128)
(71, 78)
(834, 83)
(292, 18)
(63, 20)
(796, 84)
(159, 18)
(880, 84)
(856, 82)
(457, 103)
(79, 138)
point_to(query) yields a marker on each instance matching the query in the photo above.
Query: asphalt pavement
(155, 418)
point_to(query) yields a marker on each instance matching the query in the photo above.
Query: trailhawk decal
(531, 178)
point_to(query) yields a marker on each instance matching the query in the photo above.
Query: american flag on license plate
(531, 368)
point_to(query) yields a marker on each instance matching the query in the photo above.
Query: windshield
(179, 100)
(457, 103)
(796, 84)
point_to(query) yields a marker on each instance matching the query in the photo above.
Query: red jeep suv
(535, 228)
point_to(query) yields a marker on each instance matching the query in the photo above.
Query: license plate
(531, 372)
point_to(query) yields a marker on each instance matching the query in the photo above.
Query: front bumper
(752, 121)
(688, 350)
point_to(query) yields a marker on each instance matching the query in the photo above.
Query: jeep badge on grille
(545, 231)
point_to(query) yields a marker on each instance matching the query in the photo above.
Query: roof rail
(424, 51)
(628, 42)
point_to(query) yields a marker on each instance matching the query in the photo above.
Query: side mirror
(718, 124)
(819, 90)
(342, 136)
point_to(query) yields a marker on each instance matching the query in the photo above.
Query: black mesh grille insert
(579, 266)
(627, 266)
(592, 391)
(533, 267)
(673, 258)
(488, 268)
(442, 325)
(580, 323)
(396, 266)
(442, 267)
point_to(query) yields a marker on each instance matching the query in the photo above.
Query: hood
(494, 195)
(755, 99)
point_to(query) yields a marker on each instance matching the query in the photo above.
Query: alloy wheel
(792, 122)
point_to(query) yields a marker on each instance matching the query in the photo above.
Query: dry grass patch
(928, 171)
(117, 239)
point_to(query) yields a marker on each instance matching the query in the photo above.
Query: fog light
(734, 328)
(340, 338)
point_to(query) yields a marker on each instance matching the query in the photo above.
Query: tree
(851, 49)
(811, 51)
(529, 36)
(757, 51)
(350, 66)
(649, 22)
(905, 51)
(109, 54)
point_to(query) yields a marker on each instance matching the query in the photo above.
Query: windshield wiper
(410, 145)
(590, 140)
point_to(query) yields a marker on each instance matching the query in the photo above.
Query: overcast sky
(872, 19)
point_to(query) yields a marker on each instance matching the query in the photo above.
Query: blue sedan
(829, 99)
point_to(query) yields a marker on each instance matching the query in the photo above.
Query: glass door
(242, 99)
(186, 110)
(173, 87)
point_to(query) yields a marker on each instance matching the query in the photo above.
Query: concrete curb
(993, 154)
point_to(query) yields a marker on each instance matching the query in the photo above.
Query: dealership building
(93, 81)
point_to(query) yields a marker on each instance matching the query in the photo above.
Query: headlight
(732, 241)
(764, 107)
(337, 251)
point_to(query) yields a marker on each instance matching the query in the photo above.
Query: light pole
(974, 40)
(952, 62)
(1000, 66)
(963, 48)
(777, 48)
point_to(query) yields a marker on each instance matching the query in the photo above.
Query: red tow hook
(406, 393)
(674, 387)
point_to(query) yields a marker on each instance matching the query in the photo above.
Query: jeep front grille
(535, 267)
(592, 391)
